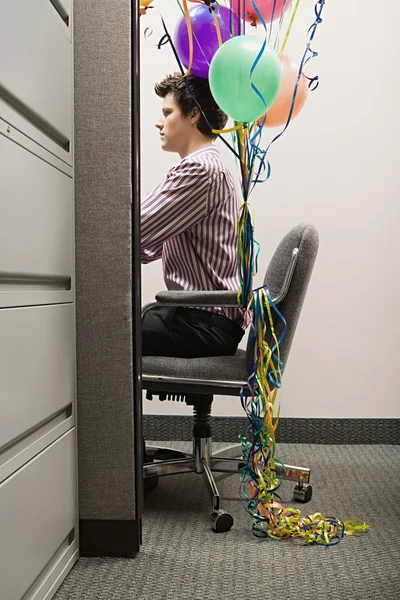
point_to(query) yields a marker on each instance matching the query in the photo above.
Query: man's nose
(159, 126)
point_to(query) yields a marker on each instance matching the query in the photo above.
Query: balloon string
(180, 6)
(271, 21)
(289, 28)
(281, 18)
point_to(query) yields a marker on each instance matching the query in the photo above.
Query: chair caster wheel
(221, 521)
(302, 493)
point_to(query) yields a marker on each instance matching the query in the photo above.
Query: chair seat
(214, 368)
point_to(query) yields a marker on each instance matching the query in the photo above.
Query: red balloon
(246, 10)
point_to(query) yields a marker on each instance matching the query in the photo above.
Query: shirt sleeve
(151, 254)
(174, 206)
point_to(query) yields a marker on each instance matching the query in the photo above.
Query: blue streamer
(307, 55)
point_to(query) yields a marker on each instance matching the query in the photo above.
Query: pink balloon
(270, 9)
(278, 113)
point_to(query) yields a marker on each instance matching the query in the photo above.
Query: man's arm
(179, 203)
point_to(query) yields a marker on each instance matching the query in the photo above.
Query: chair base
(202, 461)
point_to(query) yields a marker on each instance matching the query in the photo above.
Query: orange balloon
(278, 113)
(144, 5)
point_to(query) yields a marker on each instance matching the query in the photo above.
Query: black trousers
(188, 333)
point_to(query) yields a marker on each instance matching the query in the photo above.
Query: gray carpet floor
(182, 558)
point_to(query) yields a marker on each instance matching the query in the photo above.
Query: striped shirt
(190, 221)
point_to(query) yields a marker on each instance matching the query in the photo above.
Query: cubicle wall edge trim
(136, 262)
(72, 149)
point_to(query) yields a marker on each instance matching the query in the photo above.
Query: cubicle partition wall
(107, 270)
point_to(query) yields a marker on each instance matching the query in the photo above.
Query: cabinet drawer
(36, 223)
(37, 514)
(36, 66)
(37, 367)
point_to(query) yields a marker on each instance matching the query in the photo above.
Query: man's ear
(195, 115)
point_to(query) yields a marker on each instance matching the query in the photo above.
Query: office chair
(197, 380)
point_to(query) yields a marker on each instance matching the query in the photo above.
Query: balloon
(265, 7)
(144, 5)
(205, 38)
(278, 113)
(230, 78)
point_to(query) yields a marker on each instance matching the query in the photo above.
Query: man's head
(188, 111)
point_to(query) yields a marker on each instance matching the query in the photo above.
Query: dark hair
(192, 91)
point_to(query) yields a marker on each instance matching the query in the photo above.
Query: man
(190, 221)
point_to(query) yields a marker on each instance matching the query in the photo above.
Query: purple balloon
(205, 37)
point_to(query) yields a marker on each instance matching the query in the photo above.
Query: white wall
(337, 167)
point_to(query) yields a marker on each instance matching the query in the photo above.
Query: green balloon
(230, 82)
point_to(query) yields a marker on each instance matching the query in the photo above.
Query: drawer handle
(11, 281)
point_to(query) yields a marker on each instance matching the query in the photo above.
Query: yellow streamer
(217, 131)
(289, 28)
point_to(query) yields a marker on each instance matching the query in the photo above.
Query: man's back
(191, 219)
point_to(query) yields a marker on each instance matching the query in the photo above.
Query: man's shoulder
(187, 168)
(222, 181)
(209, 158)
(204, 163)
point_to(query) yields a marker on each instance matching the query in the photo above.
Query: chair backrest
(305, 238)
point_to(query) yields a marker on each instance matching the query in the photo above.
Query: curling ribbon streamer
(190, 36)
(260, 479)
(289, 28)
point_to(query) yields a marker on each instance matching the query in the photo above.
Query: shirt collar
(210, 149)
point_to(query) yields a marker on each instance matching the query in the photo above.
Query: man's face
(175, 129)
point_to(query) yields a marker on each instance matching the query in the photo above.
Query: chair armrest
(198, 298)
(220, 298)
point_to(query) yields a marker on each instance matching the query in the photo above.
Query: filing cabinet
(38, 471)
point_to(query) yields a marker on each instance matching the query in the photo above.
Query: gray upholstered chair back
(305, 238)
